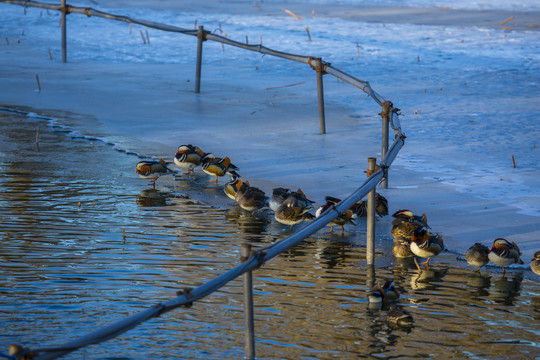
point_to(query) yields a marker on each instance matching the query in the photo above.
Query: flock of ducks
(290, 207)
(413, 238)
(411, 233)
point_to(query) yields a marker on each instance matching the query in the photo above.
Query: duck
(291, 213)
(477, 255)
(344, 218)
(251, 198)
(217, 167)
(402, 247)
(188, 157)
(535, 263)
(405, 223)
(302, 200)
(426, 245)
(384, 293)
(504, 253)
(279, 195)
(381, 207)
(151, 169)
(398, 317)
(232, 186)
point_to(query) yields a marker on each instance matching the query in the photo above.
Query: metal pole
(248, 306)
(320, 95)
(64, 42)
(370, 241)
(200, 36)
(384, 150)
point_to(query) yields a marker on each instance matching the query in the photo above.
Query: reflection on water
(67, 268)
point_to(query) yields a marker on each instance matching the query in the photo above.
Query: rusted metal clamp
(314, 63)
(65, 9)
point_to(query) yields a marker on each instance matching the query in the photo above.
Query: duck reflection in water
(398, 318)
(152, 197)
(427, 279)
(478, 284)
(247, 223)
(333, 253)
(506, 289)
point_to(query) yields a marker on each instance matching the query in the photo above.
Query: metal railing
(251, 259)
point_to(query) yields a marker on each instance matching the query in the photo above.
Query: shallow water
(67, 269)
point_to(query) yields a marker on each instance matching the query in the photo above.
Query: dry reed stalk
(291, 13)
(7, 40)
(130, 26)
(357, 49)
(507, 20)
(418, 58)
(260, 39)
(124, 233)
(38, 85)
(283, 86)
(257, 5)
(195, 25)
(142, 36)
(308, 35)
(50, 54)
(247, 42)
(60, 22)
(37, 136)
(147, 37)
(513, 161)
(79, 205)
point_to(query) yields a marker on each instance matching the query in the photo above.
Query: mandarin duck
(535, 263)
(215, 166)
(151, 169)
(504, 253)
(302, 200)
(381, 207)
(232, 186)
(250, 198)
(397, 317)
(291, 213)
(384, 293)
(477, 255)
(188, 156)
(426, 245)
(405, 223)
(279, 195)
(341, 220)
(402, 247)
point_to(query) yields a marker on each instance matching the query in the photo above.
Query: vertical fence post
(370, 241)
(248, 307)
(64, 41)
(200, 39)
(320, 94)
(385, 114)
